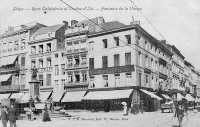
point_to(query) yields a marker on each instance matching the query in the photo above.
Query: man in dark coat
(12, 116)
(4, 117)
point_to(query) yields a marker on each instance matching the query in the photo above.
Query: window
(140, 79)
(105, 80)
(33, 49)
(116, 60)
(41, 63)
(84, 77)
(77, 61)
(70, 78)
(156, 67)
(32, 63)
(23, 79)
(56, 85)
(91, 63)
(117, 79)
(146, 61)
(147, 79)
(116, 39)
(152, 64)
(40, 48)
(77, 77)
(41, 80)
(69, 62)
(62, 84)
(56, 56)
(92, 84)
(48, 79)
(63, 69)
(10, 46)
(128, 39)
(104, 61)
(16, 47)
(48, 62)
(128, 58)
(91, 45)
(83, 60)
(146, 45)
(139, 59)
(62, 56)
(49, 47)
(105, 43)
(23, 61)
(56, 70)
(128, 79)
(23, 44)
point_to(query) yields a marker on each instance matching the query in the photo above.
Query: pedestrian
(46, 114)
(141, 107)
(12, 116)
(180, 114)
(125, 110)
(4, 116)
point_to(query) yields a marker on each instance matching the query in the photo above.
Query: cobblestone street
(115, 119)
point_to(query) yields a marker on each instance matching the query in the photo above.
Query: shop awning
(104, 95)
(189, 97)
(17, 95)
(8, 60)
(166, 96)
(57, 96)
(151, 94)
(5, 77)
(74, 96)
(25, 98)
(4, 96)
(44, 96)
(179, 97)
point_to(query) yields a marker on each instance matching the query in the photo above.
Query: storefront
(72, 100)
(107, 100)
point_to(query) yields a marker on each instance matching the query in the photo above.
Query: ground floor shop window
(105, 80)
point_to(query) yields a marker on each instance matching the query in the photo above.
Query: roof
(18, 29)
(108, 26)
(48, 29)
(112, 25)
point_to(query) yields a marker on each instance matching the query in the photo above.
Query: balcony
(10, 88)
(45, 69)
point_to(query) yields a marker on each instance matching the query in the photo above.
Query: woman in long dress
(46, 115)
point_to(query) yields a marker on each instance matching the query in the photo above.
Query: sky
(177, 20)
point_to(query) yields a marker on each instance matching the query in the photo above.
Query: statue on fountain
(34, 73)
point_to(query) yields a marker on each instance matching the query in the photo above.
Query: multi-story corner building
(46, 52)
(177, 68)
(120, 68)
(191, 79)
(14, 67)
(76, 47)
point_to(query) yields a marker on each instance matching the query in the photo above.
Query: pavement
(114, 119)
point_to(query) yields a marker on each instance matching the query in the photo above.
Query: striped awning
(8, 60)
(74, 96)
(151, 94)
(5, 77)
(106, 95)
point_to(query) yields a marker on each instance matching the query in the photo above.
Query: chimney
(73, 22)
(23, 26)
(134, 22)
(65, 23)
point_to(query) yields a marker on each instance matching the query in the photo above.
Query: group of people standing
(8, 114)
